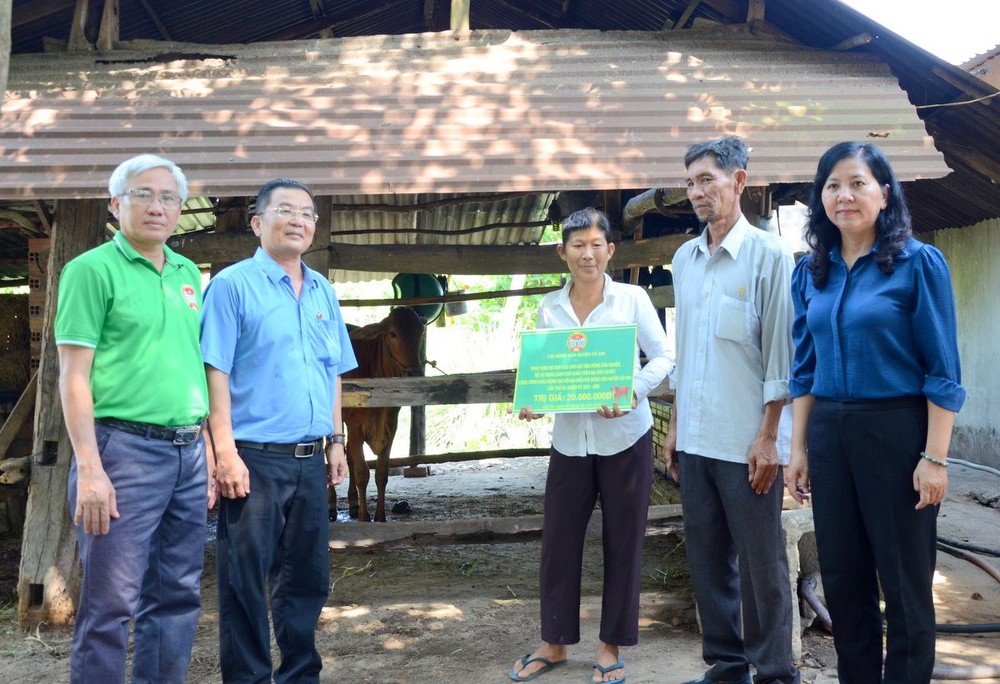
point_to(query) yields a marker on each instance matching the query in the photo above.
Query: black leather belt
(181, 435)
(300, 450)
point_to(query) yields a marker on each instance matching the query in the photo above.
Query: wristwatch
(335, 438)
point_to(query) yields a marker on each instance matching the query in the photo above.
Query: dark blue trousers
(574, 483)
(148, 566)
(861, 461)
(275, 541)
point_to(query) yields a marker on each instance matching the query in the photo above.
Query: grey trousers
(736, 553)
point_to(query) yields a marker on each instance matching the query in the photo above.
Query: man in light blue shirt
(275, 345)
(734, 311)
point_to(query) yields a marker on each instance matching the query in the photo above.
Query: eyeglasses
(147, 196)
(307, 215)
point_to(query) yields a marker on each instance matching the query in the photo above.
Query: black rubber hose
(975, 560)
(807, 590)
(968, 629)
(970, 547)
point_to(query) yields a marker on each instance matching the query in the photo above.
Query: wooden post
(318, 257)
(460, 15)
(78, 30)
(232, 218)
(108, 35)
(418, 414)
(6, 8)
(48, 584)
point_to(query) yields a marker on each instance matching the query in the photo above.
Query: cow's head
(404, 335)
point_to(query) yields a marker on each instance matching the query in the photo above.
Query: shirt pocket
(326, 342)
(737, 321)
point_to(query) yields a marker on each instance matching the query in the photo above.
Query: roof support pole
(460, 15)
(755, 11)
(108, 35)
(48, 582)
(78, 31)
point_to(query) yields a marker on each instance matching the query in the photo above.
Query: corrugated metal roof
(491, 111)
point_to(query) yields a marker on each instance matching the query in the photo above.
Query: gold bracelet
(935, 461)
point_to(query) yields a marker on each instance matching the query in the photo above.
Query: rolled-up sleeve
(935, 330)
(775, 311)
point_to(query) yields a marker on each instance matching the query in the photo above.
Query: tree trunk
(48, 586)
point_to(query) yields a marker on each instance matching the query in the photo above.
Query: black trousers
(623, 482)
(273, 548)
(861, 461)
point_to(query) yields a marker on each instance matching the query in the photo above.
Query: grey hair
(731, 153)
(130, 168)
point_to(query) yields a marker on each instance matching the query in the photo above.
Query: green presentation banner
(575, 369)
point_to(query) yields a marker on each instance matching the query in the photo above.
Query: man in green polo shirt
(134, 395)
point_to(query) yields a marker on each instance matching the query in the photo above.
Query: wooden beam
(494, 387)
(30, 12)
(18, 218)
(108, 35)
(47, 587)
(44, 216)
(530, 15)
(730, 9)
(317, 25)
(317, 8)
(155, 18)
(22, 409)
(207, 248)
(419, 458)
(853, 42)
(660, 520)
(460, 388)
(484, 228)
(451, 297)
(688, 11)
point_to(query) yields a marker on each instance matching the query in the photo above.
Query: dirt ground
(463, 613)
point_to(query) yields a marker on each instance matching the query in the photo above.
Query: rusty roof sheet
(489, 111)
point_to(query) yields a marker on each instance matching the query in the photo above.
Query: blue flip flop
(526, 660)
(620, 665)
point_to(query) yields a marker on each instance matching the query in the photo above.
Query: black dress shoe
(704, 679)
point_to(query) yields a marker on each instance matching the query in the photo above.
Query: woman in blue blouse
(876, 384)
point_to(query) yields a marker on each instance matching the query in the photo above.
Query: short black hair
(586, 218)
(731, 153)
(264, 194)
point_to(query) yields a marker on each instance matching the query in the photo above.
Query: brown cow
(388, 349)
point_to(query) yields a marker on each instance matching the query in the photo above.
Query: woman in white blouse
(603, 455)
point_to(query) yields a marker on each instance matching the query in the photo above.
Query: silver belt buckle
(305, 449)
(186, 435)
